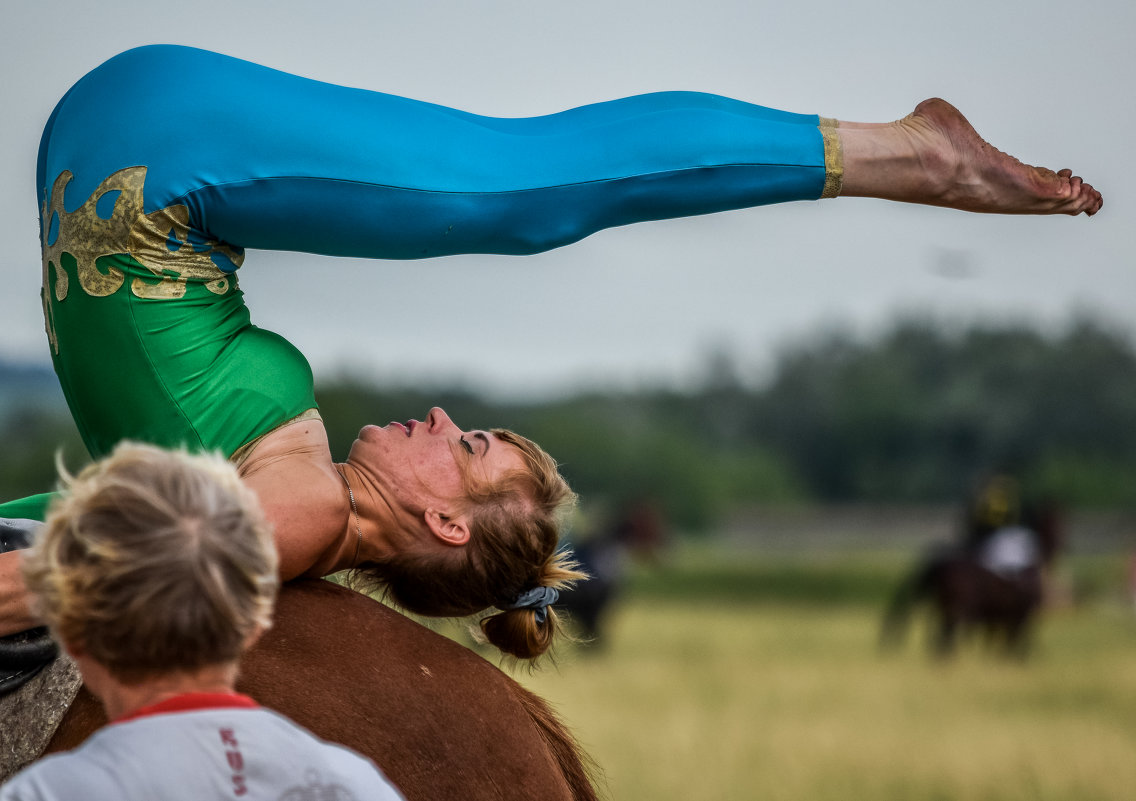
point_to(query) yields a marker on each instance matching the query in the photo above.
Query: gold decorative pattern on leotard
(86, 236)
(159, 241)
(833, 157)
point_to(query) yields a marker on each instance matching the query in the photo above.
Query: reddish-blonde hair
(515, 526)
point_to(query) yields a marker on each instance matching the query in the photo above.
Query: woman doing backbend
(161, 165)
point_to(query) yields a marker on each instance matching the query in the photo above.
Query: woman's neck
(381, 523)
(120, 698)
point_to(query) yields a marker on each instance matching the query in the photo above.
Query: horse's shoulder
(358, 672)
(323, 621)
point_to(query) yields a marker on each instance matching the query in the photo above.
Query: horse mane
(579, 769)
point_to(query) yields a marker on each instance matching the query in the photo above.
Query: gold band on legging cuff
(833, 157)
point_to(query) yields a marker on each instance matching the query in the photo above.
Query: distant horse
(637, 531)
(587, 602)
(437, 718)
(967, 596)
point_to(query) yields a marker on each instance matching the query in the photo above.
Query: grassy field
(707, 690)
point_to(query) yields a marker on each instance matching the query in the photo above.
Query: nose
(438, 421)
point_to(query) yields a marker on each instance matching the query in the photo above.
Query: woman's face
(423, 465)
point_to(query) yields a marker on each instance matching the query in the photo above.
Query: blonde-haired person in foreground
(155, 571)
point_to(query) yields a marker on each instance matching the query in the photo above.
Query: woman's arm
(15, 609)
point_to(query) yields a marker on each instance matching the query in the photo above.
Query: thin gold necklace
(355, 513)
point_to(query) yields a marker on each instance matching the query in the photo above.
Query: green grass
(709, 691)
(702, 572)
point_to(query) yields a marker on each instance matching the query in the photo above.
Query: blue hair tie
(538, 598)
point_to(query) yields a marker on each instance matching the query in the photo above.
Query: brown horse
(967, 597)
(437, 718)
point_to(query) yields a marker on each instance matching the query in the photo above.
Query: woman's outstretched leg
(934, 156)
(258, 158)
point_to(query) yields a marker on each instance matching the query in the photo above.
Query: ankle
(886, 161)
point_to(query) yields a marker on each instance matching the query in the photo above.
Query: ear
(450, 530)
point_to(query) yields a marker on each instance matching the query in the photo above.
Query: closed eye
(466, 445)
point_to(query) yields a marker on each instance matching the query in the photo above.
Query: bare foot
(935, 156)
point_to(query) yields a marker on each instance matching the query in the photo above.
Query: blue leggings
(159, 167)
(264, 159)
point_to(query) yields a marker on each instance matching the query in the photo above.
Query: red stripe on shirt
(191, 702)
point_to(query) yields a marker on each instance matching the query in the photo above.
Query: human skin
(934, 156)
(404, 477)
(120, 698)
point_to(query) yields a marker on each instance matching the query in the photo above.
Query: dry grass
(699, 701)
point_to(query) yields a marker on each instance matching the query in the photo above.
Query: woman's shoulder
(301, 492)
(302, 435)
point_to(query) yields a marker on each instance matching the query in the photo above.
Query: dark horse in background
(636, 531)
(966, 596)
(437, 718)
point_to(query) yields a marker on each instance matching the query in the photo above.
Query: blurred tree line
(916, 415)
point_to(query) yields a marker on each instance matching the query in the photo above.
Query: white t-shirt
(1010, 550)
(202, 746)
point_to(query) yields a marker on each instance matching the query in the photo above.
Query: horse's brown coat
(440, 720)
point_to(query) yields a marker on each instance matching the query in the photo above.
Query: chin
(357, 448)
(367, 433)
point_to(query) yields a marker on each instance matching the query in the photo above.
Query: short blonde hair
(154, 562)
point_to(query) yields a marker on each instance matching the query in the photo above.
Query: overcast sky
(1050, 83)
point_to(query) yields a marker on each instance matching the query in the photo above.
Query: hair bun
(523, 632)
